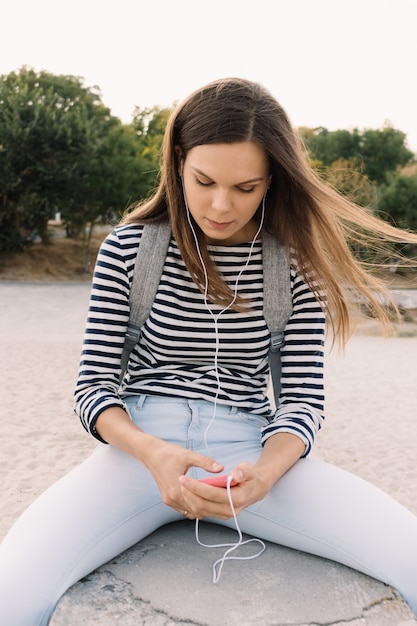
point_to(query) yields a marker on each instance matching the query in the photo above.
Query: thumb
(242, 472)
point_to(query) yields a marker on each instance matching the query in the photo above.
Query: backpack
(148, 269)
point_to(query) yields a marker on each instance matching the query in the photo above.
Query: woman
(194, 399)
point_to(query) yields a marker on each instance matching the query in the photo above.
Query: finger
(214, 502)
(205, 462)
(242, 472)
(195, 491)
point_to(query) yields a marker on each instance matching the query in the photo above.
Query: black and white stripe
(192, 349)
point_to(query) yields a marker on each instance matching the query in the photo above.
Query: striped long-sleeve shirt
(194, 349)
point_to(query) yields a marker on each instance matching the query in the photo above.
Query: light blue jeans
(110, 502)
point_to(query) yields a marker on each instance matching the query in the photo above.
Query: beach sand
(371, 425)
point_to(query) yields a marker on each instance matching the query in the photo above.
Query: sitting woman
(193, 401)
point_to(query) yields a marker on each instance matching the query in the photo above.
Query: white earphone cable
(231, 546)
(214, 317)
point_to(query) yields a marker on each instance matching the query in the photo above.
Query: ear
(180, 157)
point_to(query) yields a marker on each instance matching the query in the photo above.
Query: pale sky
(334, 63)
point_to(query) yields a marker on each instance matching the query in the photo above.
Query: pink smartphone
(218, 481)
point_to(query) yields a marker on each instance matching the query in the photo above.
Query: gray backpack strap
(149, 264)
(277, 301)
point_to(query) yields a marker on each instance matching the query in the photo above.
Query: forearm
(116, 428)
(279, 454)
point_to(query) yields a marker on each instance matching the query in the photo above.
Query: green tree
(48, 126)
(377, 153)
(330, 146)
(383, 152)
(398, 201)
(119, 172)
(114, 177)
(150, 124)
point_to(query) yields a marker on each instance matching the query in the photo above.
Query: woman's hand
(279, 453)
(202, 500)
(167, 462)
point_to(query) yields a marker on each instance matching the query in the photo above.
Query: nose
(221, 200)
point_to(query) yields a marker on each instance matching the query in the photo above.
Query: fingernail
(184, 480)
(238, 475)
(216, 466)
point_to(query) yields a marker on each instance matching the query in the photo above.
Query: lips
(218, 225)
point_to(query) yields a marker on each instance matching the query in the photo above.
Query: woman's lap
(110, 502)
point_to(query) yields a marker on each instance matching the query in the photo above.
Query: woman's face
(224, 186)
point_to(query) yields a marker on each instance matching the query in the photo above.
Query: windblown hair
(316, 223)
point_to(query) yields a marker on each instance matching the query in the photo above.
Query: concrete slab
(166, 580)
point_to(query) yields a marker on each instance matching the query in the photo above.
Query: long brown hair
(310, 218)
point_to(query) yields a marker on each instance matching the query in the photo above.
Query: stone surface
(166, 580)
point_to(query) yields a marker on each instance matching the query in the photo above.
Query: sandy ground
(371, 424)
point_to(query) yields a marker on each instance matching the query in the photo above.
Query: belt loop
(140, 401)
(194, 408)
